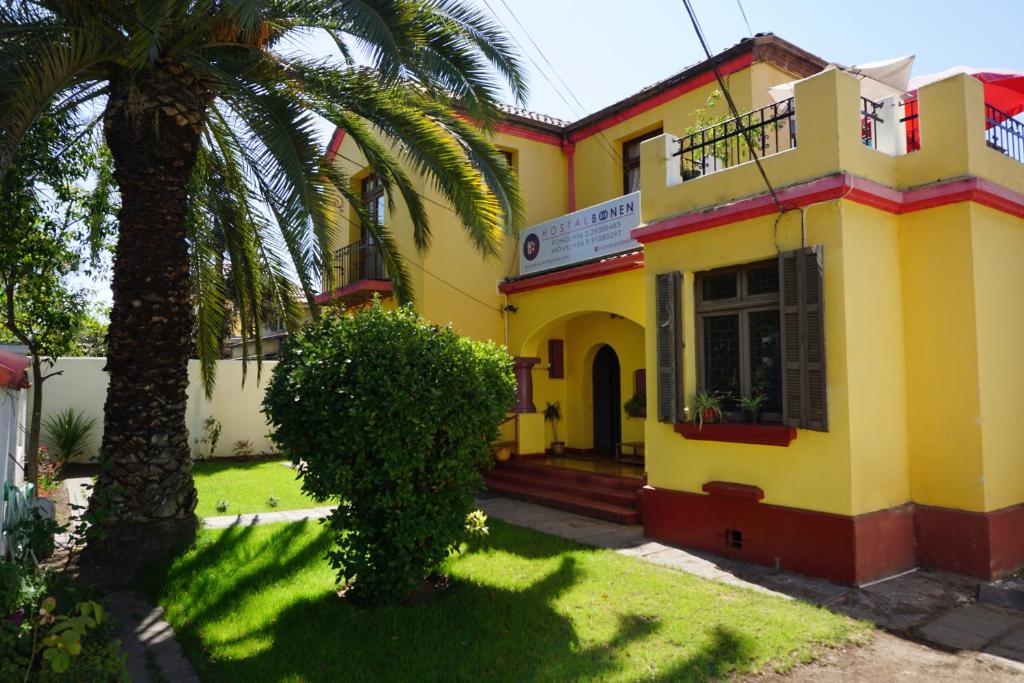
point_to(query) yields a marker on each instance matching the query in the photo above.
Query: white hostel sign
(584, 235)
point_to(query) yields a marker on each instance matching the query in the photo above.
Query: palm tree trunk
(145, 498)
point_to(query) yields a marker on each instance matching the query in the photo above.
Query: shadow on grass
(473, 631)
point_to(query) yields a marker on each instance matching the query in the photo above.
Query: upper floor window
(739, 337)
(631, 161)
(373, 197)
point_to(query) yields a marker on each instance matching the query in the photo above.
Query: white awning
(878, 80)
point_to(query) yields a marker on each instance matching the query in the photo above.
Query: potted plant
(751, 405)
(636, 406)
(552, 414)
(503, 450)
(707, 407)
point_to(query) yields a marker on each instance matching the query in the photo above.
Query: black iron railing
(912, 125)
(358, 261)
(771, 130)
(869, 120)
(1004, 133)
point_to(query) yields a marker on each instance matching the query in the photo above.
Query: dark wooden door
(607, 401)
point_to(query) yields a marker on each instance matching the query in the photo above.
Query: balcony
(947, 133)
(1004, 133)
(769, 130)
(358, 273)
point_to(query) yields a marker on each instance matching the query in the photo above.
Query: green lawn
(247, 486)
(258, 603)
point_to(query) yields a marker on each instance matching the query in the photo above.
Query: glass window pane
(763, 280)
(716, 287)
(632, 179)
(766, 359)
(722, 356)
(631, 150)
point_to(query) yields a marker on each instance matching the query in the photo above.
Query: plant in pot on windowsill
(751, 405)
(552, 414)
(636, 406)
(707, 407)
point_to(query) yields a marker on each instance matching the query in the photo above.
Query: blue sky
(608, 49)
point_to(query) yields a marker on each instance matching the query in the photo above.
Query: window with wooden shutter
(802, 309)
(669, 322)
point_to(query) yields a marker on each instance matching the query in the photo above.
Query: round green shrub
(395, 417)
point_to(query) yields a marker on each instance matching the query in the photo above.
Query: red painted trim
(358, 287)
(852, 550)
(529, 133)
(556, 359)
(983, 544)
(570, 157)
(732, 66)
(732, 490)
(766, 435)
(615, 264)
(839, 186)
(335, 145)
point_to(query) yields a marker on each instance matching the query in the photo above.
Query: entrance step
(606, 497)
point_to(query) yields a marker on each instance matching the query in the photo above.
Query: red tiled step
(611, 481)
(601, 494)
(562, 501)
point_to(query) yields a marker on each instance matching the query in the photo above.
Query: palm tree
(211, 125)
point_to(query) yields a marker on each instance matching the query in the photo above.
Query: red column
(524, 384)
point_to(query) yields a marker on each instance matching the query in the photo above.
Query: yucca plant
(66, 435)
(211, 119)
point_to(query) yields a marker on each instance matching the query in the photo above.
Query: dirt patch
(888, 658)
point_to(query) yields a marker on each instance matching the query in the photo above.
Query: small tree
(395, 417)
(44, 213)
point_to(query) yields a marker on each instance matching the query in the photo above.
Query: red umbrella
(12, 371)
(1004, 90)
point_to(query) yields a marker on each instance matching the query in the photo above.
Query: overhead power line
(750, 31)
(578, 110)
(744, 130)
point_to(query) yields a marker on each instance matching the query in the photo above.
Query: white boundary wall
(83, 386)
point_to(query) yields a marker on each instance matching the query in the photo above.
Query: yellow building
(853, 324)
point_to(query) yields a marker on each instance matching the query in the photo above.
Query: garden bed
(260, 604)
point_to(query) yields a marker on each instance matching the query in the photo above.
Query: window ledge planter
(765, 435)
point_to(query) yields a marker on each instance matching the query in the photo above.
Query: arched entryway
(607, 401)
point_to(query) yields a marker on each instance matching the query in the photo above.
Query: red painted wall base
(983, 544)
(851, 550)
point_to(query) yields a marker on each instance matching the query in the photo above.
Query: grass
(247, 486)
(258, 603)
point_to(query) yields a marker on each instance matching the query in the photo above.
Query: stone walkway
(154, 654)
(266, 517)
(931, 607)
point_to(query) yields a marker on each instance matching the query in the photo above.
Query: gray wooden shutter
(669, 320)
(802, 316)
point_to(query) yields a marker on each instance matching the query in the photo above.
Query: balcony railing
(358, 261)
(869, 122)
(771, 130)
(1004, 133)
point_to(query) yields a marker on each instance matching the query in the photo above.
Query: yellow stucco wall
(997, 242)
(872, 309)
(943, 407)
(598, 158)
(814, 472)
